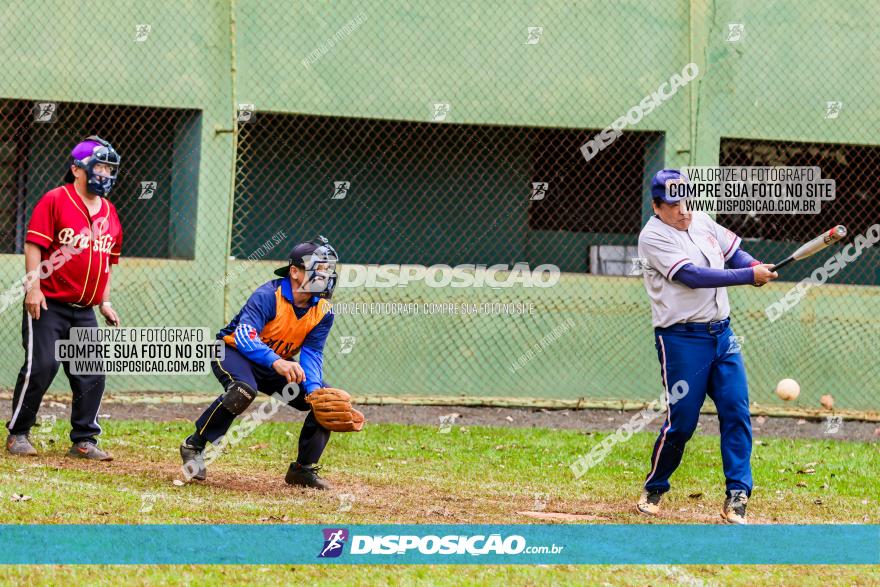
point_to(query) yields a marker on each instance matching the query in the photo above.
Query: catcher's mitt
(332, 409)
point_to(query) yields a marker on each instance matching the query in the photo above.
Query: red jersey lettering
(77, 248)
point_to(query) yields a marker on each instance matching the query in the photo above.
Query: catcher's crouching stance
(282, 318)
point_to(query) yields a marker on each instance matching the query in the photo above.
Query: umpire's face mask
(102, 169)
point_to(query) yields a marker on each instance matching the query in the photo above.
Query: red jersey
(77, 248)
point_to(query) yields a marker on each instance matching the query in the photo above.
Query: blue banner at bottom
(439, 544)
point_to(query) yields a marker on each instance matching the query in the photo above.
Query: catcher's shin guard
(238, 397)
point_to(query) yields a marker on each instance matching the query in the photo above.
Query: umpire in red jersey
(74, 238)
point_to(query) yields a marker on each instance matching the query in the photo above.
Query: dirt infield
(162, 407)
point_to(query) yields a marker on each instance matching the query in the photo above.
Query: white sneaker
(734, 509)
(649, 503)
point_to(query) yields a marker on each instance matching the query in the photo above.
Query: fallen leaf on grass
(178, 483)
(696, 495)
(801, 484)
(260, 446)
(20, 497)
(806, 471)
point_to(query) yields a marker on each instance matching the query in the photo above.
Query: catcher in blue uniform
(283, 318)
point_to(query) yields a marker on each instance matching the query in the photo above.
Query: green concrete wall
(595, 60)
(85, 52)
(608, 353)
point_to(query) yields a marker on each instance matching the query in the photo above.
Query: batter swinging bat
(814, 246)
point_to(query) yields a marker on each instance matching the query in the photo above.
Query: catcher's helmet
(319, 259)
(89, 153)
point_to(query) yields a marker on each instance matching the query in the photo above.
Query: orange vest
(286, 333)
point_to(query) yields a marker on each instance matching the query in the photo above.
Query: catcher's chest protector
(286, 333)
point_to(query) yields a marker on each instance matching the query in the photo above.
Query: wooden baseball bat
(814, 246)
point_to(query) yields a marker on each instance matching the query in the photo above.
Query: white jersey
(665, 250)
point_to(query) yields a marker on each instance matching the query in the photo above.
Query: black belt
(72, 305)
(710, 327)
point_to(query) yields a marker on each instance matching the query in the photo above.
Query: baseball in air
(788, 389)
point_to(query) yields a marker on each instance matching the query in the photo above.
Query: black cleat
(193, 463)
(305, 476)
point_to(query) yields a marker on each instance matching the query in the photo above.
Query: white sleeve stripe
(242, 336)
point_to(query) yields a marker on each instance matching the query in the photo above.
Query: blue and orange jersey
(270, 327)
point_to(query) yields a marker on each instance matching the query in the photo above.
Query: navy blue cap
(658, 185)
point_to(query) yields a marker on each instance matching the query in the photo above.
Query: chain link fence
(437, 136)
(155, 82)
(157, 185)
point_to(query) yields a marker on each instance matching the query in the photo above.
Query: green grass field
(416, 474)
